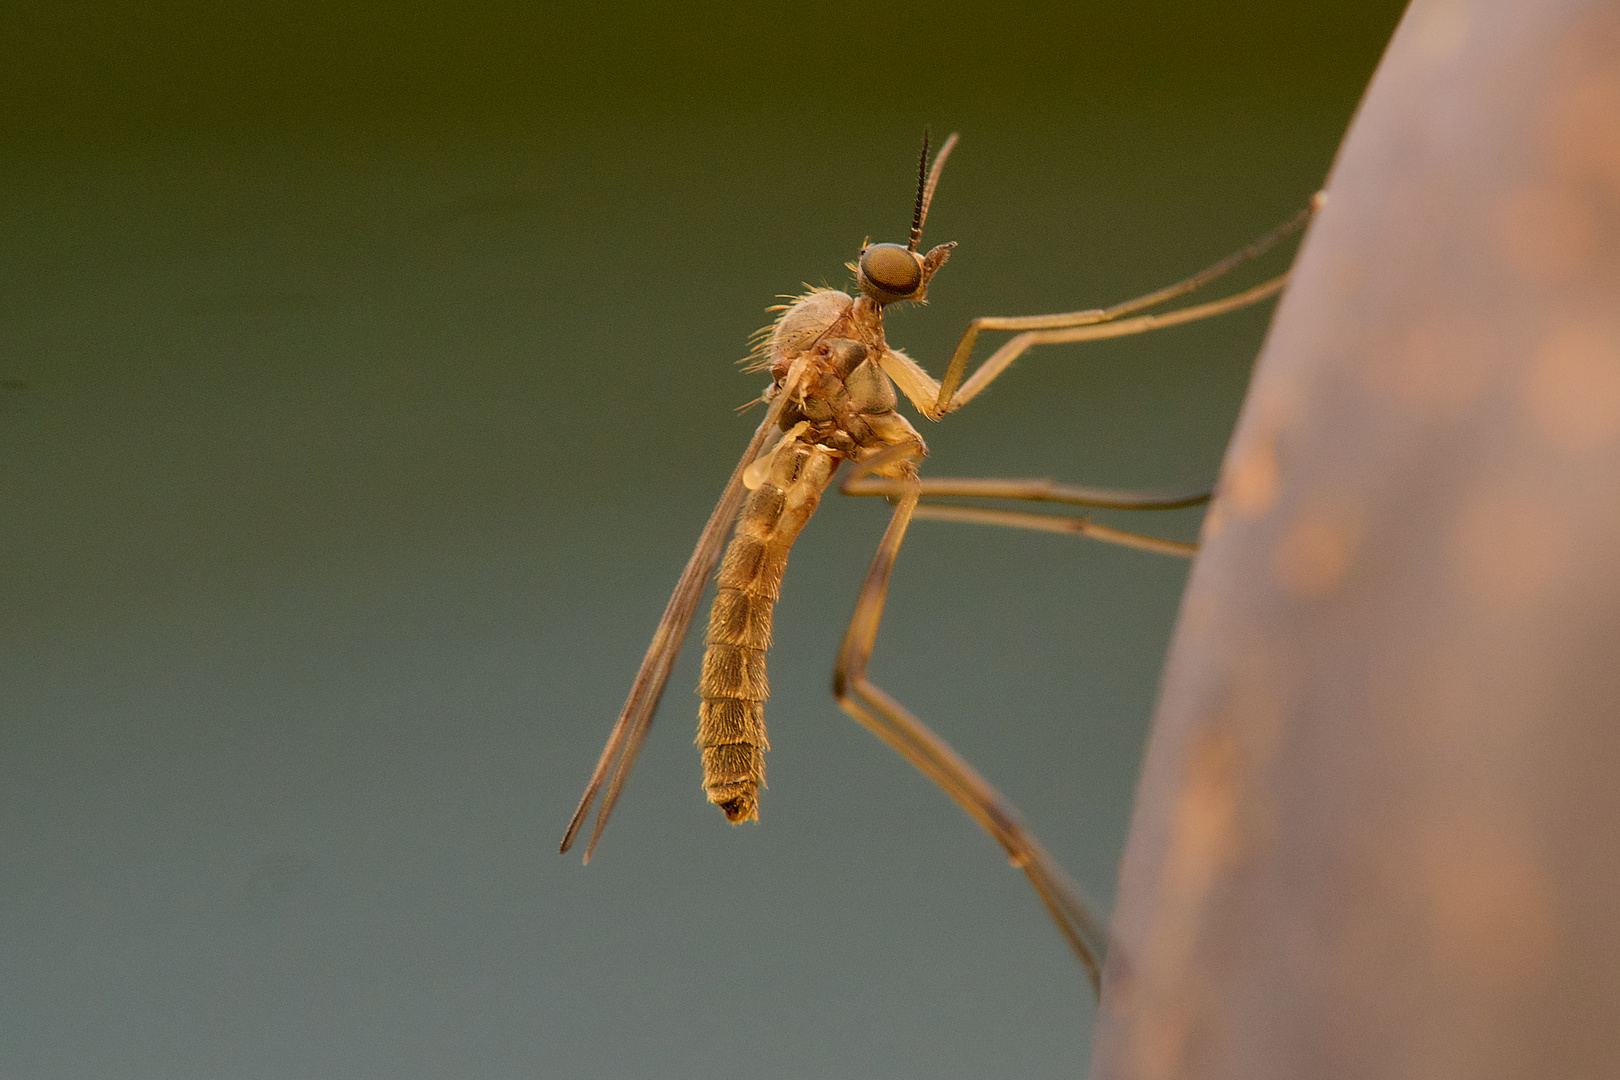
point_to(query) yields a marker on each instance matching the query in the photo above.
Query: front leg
(951, 393)
(913, 381)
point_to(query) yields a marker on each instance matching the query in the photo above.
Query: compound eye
(892, 269)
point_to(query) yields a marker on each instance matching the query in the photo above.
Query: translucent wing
(631, 728)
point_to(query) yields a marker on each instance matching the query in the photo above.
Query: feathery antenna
(927, 180)
(921, 210)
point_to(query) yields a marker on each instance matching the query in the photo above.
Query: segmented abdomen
(731, 719)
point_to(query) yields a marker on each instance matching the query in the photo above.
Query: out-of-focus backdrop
(365, 377)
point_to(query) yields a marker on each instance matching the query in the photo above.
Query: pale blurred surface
(1379, 829)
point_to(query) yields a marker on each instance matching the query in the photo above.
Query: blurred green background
(365, 377)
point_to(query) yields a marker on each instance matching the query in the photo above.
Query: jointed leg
(949, 396)
(1039, 490)
(1094, 330)
(894, 724)
(936, 399)
(1079, 525)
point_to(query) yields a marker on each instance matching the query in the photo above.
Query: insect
(832, 399)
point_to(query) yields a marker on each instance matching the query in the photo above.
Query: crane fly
(832, 398)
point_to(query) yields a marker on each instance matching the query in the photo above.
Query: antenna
(921, 210)
(926, 182)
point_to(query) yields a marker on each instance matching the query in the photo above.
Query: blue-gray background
(365, 377)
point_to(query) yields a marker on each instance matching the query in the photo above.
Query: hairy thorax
(844, 401)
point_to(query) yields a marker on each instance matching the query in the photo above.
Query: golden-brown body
(842, 407)
(832, 397)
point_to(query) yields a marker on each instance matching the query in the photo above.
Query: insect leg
(1041, 490)
(1076, 524)
(933, 757)
(953, 393)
